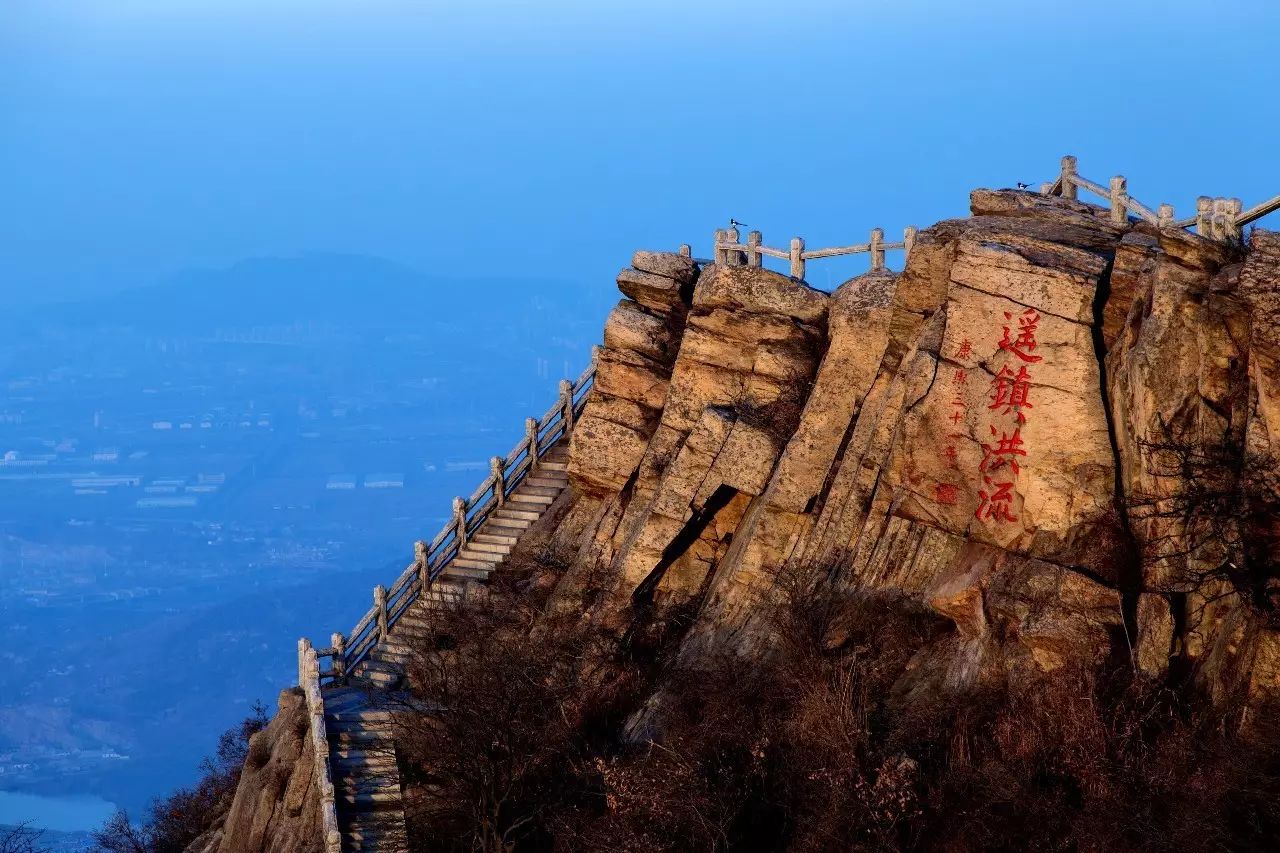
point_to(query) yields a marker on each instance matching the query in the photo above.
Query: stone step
(500, 539)
(533, 500)
(383, 677)
(355, 700)
(476, 574)
(546, 479)
(344, 695)
(366, 718)
(361, 737)
(529, 503)
(396, 659)
(383, 834)
(388, 794)
(549, 463)
(472, 563)
(529, 491)
(477, 545)
(519, 512)
(554, 487)
(367, 752)
(363, 765)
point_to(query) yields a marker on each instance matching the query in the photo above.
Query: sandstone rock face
(973, 432)
(277, 804)
(633, 370)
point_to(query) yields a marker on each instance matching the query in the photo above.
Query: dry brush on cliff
(174, 822)
(517, 740)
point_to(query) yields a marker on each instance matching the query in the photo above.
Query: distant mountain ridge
(354, 291)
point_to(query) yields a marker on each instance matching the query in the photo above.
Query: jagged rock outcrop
(985, 433)
(969, 432)
(277, 803)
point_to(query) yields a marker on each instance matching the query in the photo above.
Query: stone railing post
(908, 240)
(797, 257)
(339, 643)
(718, 255)
(498, 467)
(304, 664)
(1046, 188)
(1069, 188)
(1164, 216)
(754, 258)
(531, 437)
(1234, 207)
(732, 256)
(380, 605)
(685, 250)
(1204, 206)
(877, 248)
(460, 522)
(566, 404)
(1218, 219)
(424, 569)
(1119, 195)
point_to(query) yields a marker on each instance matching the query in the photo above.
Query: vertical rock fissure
(643, 595)
(1129, 572)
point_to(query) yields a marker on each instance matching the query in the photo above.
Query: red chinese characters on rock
(1010, 392)
(1010, 399)
(945, 493)
(959, 380)
(1025, 343)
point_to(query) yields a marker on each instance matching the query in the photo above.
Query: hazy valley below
(194, 475)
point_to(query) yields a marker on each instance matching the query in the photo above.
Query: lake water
(60, 814)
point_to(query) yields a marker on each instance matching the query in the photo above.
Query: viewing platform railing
(729, 251)
(1216, 218)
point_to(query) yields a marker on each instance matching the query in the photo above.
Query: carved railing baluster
(497, 466)
(380, 605)
(531, 436)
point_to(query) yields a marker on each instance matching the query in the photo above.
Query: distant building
(341, 481)
(384, 481)
(162, 425)
(165, 503)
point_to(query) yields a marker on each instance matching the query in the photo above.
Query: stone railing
(728, 251)
(309, 681)
(1216, 218)
(469, 514)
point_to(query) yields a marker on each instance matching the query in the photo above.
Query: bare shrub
(1211, 522)
(21, 839)
(175, 821)
(517, 743)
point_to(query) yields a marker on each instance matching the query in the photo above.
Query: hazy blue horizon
(143, 138)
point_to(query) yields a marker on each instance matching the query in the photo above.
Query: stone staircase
(362, 754)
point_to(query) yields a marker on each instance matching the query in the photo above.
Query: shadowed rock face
(968, 432)
(277, 803)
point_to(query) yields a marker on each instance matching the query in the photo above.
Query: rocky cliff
(987, 431)
(1056, 434)
(277, 803)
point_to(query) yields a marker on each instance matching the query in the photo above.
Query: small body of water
(59, 814)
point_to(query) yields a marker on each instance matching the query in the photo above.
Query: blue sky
(549, 140)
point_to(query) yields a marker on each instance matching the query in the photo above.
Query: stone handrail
(309, 681)
(1216, 218)
(752, 253)
(469, 514)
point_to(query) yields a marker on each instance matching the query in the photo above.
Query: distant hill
(347, 291)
